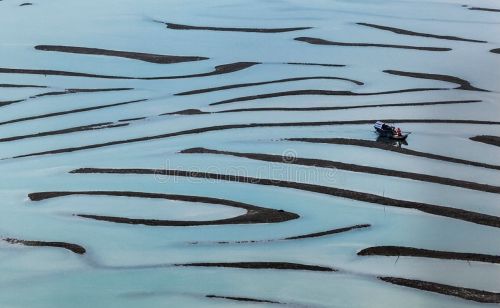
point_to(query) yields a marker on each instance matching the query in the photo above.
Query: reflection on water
(393, 142)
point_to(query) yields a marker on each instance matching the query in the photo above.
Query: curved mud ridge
(147, 57)
(71, 91)
(291, 109)
(263, 265)
(69, 246)
(438, 210)
(231, 29)
(316, 92)
(398, 251)
(493, 140)
(218, 70)
(388, 147)
(484, 9)
(412, 33)
(83, 128)
(243, 299)
(297, 237)
(10, 85)
(318, 41)
(321, 163)
(59, 113)
(316, 64)
(250, 125)
(6, 103)
(465, 293)
(243, 85)
(255, 214)
(462, 84)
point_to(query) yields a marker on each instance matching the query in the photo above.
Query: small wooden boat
(388, 131)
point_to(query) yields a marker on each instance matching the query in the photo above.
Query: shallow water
(133, 265)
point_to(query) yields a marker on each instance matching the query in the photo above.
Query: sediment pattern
(255, 214)
(318, 41)
(469, 216)
(147, 57)
(69, 246)
(233, 29)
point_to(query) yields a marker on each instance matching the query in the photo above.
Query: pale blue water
(131, 265)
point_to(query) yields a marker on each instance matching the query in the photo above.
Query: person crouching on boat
(398, 131)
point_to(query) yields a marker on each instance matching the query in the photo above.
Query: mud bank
(254, 214)
(232, 29)
(493, 140)
(263, 265)
(318, 41)
(147, 57)
(388, 147)
(465, 293)
(438, 210)
(250, 125)
(399, 251)
(350, 167)
(69, 246)
(412, 33)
